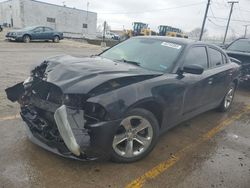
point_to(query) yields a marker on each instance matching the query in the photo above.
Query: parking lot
(211, 150)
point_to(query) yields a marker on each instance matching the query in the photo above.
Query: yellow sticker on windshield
(171, 45)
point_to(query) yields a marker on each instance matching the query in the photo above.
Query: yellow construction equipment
(142, 29)
(165, 30)
(139, 29)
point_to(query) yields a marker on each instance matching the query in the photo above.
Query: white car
(110, 35)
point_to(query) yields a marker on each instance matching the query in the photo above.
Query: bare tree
(195, 33)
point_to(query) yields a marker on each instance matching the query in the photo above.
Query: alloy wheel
(26, 39)
(229, 98)
(56, 39)
(133, 137)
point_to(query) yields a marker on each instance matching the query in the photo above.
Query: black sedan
(35, 33)
(116, 104)
(240, 49)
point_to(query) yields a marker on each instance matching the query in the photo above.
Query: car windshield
(241, 45)
(153, 54)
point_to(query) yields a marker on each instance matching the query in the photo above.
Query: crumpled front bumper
(63, 130)
(79, 143)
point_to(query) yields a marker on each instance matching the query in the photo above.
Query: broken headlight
(28, 82)
(93, 111)
(73, 100)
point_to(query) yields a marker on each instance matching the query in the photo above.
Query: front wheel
(136, 136)
(228, 99)
(26, 38)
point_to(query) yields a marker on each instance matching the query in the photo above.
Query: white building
(73, 22)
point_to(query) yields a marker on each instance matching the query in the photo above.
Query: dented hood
(81, 75)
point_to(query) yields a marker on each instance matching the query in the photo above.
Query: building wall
(68, 20)
(71, 21)
(10, 13)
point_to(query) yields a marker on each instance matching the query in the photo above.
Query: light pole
(204, 20)
(230, 14)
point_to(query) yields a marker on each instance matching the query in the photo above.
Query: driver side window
(197, 55)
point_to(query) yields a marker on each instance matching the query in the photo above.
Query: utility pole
(104, 30)
(245, 35)
(230, 14)
(204, 19)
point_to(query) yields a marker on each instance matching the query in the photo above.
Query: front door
(197, 87)
(37, 33)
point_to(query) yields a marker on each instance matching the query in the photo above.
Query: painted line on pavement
(165, 165)
(9, 118)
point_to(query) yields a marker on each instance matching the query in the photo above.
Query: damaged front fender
(15, 92)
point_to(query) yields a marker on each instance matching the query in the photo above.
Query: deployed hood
(82, 75)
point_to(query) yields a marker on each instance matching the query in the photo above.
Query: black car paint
(244, 58)
(172, 97)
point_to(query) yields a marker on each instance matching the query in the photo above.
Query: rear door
(219, 75)
(48, 33)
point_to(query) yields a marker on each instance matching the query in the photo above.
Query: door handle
(210, 81)
(230, 73)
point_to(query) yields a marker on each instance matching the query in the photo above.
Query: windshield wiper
(130, 62)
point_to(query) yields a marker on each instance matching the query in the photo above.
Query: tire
(228, 99)
(26, 38)
(56, 39)
(138, 126)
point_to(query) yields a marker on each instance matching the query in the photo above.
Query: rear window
(47, 29)
(215, 58)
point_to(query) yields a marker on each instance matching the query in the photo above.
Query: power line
(235, 20)
(244, 10)
(153, 10)
(215, 23)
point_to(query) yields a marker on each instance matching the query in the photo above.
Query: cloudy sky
(184, 14)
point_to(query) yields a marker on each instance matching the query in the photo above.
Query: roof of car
(178, 40)
(242, 38)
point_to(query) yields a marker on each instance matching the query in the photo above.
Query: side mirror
(193, 69)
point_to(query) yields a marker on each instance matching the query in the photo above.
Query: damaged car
(240, 50)
(116, 104)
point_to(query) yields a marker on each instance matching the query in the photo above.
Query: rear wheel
(26, 38)
(136, 136)
(228, 99)
(56, 39)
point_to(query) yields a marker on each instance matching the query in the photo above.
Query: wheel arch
(27, 34)
(151, 105)
(57, 35)
(236, 82)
